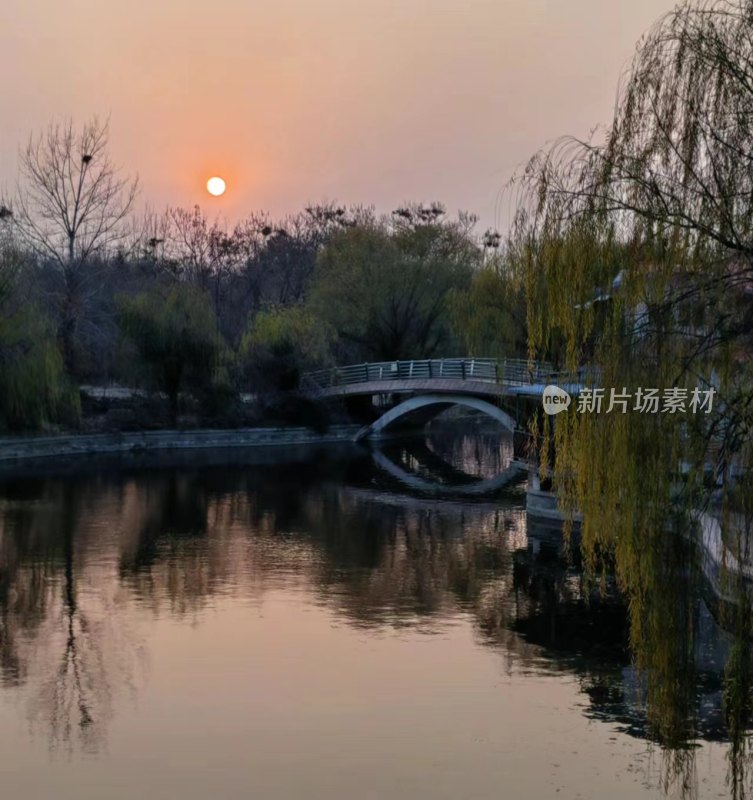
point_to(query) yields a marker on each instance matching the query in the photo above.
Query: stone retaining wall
(22, 448)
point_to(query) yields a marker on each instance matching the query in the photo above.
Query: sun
(216, 186)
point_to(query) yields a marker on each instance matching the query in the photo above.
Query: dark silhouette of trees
(330, 283)
(33, 389)
(71, 207)
(175, 336)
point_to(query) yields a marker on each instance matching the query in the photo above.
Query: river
(312, 625)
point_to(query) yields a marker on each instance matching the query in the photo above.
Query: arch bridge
(430, 386)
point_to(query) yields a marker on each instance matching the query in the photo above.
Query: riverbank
(15, 449)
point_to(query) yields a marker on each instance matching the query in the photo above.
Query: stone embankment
(18, 448)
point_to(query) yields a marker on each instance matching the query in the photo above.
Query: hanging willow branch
(654, 216)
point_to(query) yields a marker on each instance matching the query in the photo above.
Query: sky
(302, 101)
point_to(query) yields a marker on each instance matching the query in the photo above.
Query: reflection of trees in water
(660, 577)
(166, 556)
(738, 692)
(60, 631)
(203, 534)
(661, 597)
(392, 563)
(397, 564)
(84, 551)
(27, 566)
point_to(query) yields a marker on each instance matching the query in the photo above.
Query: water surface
(321, 629)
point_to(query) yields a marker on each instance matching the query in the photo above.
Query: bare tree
(71, 207)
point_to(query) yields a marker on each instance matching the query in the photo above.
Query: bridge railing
(511, 372)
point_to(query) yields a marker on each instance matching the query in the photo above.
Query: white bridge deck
(479, 377)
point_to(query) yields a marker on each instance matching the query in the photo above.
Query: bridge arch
(427, 406)
(481, 487)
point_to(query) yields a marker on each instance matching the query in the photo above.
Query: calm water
(322, 629)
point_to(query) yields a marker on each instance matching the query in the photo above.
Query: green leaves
(385, 289)
(174, 333)
(491, 314)
(34, 391)
(283, 342)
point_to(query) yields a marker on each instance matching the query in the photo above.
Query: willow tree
(281, 343)
(490, 315)
(33, 388)
(639, 253)
(174, 335)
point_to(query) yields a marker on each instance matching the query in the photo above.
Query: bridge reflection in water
(415, 465)
(249, 569)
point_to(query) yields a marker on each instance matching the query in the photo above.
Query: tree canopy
(490, 314)
(33, 386)
(175, 335)
(283, 342)
(384, 288)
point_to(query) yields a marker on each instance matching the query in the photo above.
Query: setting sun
(216, 186)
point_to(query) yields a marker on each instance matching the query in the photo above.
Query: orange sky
(297, 101)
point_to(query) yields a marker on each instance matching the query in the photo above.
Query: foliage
(283, 342)
(258, 263)
(384, 287)
(491, 314)
(639, 252)
(296, 410)
(175, 336)
(33, 387)
(664, 202)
